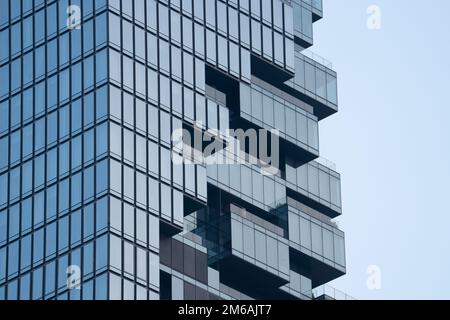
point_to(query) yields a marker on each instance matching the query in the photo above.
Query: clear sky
(391, 143)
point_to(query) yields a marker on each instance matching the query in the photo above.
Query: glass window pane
(335, 190)
(141, 227)
(249, 241)
(310, 82)
(331, 89)
(272, 252)
(236, 235)
(305, 233)
(320, 83)
(339, 250)
(166, 201)
(324, 185)
(328, 250)
(316, 236)
(260, 246)
(294, 228)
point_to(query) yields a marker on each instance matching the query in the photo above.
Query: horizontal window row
(160, 124)
(249, 184)
(56, 11)
(146, 82)
(264, 247)
(220, 50)
(18, 183)
(231, 21)
(133, 262)
(20, 145)
(31, 252)
(160, 198)
(68, 46)
(71, 118)
(228, 56)
(39, 213)
(136, 150)
(319, 184)
(319, 82)
(150, 157)
(271, 13)
(145, 118)
(148, 119)
(277, 113)
(314, 236)
(134, 224)
(59, 160)
(121, 288)
(185, 36)
(61, 86)
(47, 281)
(272, 45)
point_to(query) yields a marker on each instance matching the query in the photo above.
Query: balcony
(297, 128)
(315, 83)
(317, 246)
(299, 287)
(313, 184)
(248, 183)
(326, 292)
(317, 186)
(244, 246)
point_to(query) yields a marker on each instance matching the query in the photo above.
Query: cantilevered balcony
(315, 83)
(249, 184)
(327, 292)
(248, 248)
(313, 184)
(317, 186)
(298, 129)
(317, 248)
(299, 287)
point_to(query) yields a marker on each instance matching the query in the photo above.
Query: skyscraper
(92, 203)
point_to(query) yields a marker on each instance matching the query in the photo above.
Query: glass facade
(54, 145)
(92, 205)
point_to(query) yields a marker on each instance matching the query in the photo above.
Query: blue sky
(391, 143)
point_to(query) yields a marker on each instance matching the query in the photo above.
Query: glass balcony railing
(315, 79)
(269, 111)
(248, 183)
(238, 239)
(298, 286)
(318, 183)
(264, 249)
(327, 292)
(232, 208)
(318, 58)
(327, 163)
(317, 239)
